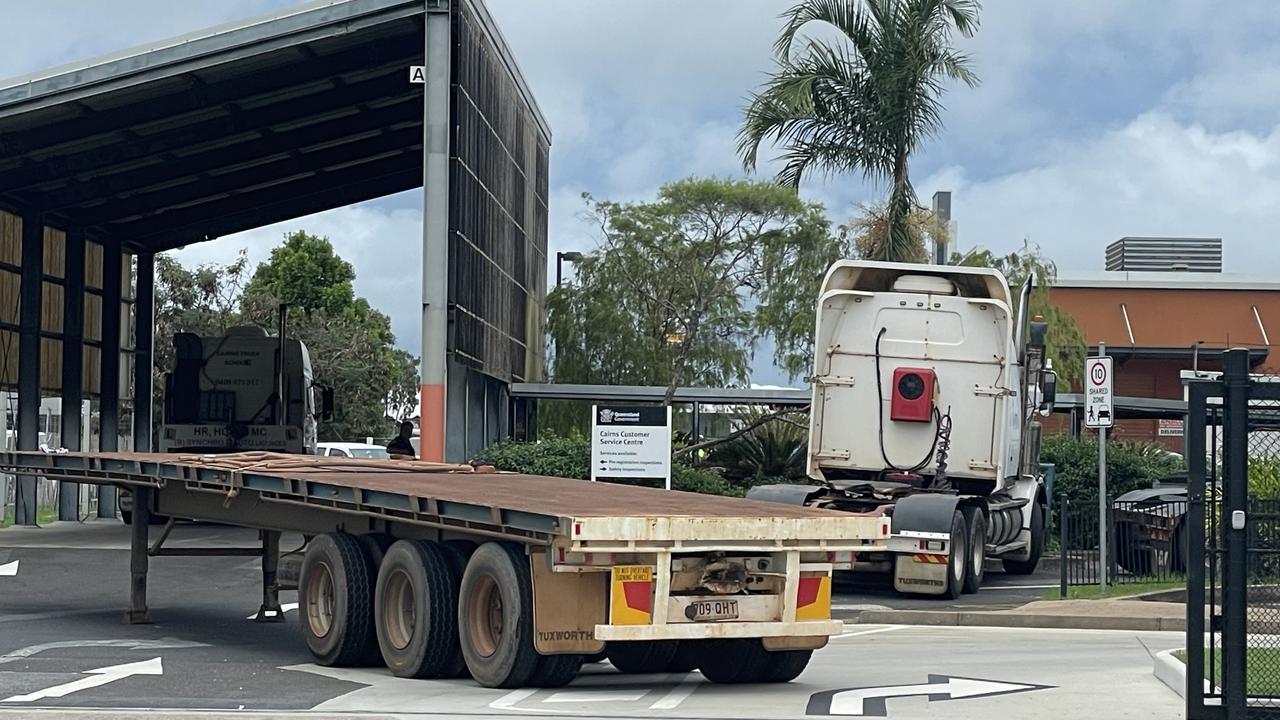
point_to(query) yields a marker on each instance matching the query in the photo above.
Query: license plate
(703, 610)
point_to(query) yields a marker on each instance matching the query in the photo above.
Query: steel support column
(144, 329)
(1235, 499)
(109, 394)
(29, 359)
(435, 228)
(72, 366)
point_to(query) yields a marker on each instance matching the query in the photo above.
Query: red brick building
(1157, 324)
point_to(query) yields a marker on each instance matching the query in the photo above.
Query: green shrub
(1130, 466)
(571, 458)
(772, 451)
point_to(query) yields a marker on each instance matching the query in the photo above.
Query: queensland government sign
(631, 442)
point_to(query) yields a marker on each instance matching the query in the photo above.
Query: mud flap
(566, 608)
(924, 578)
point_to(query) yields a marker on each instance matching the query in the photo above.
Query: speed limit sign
(1098, 408)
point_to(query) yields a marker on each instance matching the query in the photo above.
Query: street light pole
(572, 256)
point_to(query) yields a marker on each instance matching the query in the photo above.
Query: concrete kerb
(1014, 620)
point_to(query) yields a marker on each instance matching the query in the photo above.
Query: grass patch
(44, 516)
(1262, 669)
(1091, 592)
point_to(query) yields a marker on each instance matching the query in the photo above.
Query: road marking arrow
(9, 569)
(163, 643)
(98, 677)
(871, 701)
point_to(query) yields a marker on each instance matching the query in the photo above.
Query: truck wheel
(735, 662)
(596, 658)
(457, 668)
(976, 522)
(786, 665)
(1028, 566)
(495, 616)
(555, 671)
(416, 610)
(958, 561)
(641, 657)
(334, 598)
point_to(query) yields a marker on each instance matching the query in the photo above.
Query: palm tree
(863, 103)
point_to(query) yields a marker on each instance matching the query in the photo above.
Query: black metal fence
(1146, 542)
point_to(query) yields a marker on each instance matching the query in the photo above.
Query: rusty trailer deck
(535, 509)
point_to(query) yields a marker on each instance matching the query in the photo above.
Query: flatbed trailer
(440, 570)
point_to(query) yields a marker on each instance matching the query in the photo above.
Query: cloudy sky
(1095, 119)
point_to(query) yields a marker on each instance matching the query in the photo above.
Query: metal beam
(29, 359)
(654, 393)
(436, 117)
(332, 133)
(188, 195)
(143, 362)
(222, 213)
(109, 394)
(191, 137)
(72, 365)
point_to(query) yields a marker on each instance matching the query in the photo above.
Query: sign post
(1099, 413)
(631, 442)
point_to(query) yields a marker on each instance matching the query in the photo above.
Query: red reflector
(577, 528)
(639, 595)
(561, 554)
(923, 545)
(807, 594)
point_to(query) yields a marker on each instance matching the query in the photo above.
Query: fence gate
(1233, 544)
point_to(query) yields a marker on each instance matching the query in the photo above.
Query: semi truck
(240, 391)
(928, 385)
(443, 571)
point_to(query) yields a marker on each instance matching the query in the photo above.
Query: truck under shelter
(109, 161)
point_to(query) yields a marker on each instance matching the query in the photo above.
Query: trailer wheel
(976, 522)
(596, 657)
(495, 616)
(1028, 566)
(555, 671)
(457, 559)
(375, 547)
(686, 657)
(958, 561)
(641, 657)
(786, 665)
(415, 608)
(735, 662)
(334, 594)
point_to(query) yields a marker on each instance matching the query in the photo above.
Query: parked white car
(352, 450)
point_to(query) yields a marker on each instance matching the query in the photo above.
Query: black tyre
(958, 562)
(375, 546)
(465, 548)
(686, 657)
(642, 657)
(976, 522)
(555, 671)
(1178, 550)
(416, 610)
(457, 668)
(786, 665)
(1129, 555)
(735, 662)
(495, 616)
(335, 593)
(1028, 566)
(596, 658)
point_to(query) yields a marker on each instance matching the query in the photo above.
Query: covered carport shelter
(105, 163)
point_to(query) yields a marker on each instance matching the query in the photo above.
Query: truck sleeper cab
(926, 388)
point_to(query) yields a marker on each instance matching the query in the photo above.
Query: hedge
(1130, 466)
(571, 458)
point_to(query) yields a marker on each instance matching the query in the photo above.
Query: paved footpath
(63, 650)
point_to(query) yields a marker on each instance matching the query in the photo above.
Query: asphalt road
(60, 621)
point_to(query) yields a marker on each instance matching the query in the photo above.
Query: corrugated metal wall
(498, 214)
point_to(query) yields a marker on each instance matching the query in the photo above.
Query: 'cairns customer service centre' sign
(631, 442)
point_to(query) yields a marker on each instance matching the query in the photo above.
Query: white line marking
(284, 607)
(594, 696)
(101, 676)
(507, 701)
(160, 644)
(678, 694)
(9, 569)
(873, 631)
(1019, 587)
